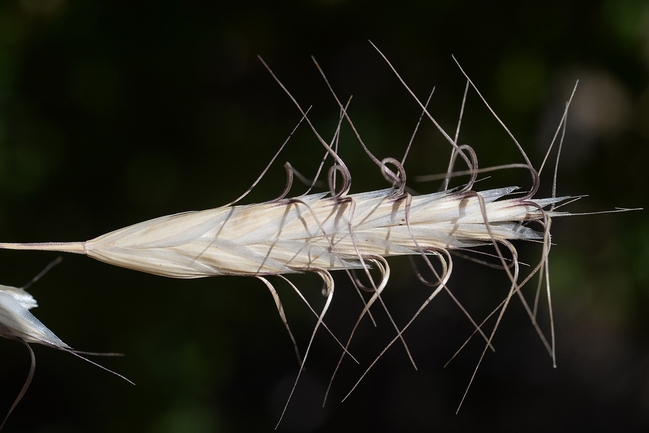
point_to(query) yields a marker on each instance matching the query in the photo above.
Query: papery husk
(312, 232)
(18, 323)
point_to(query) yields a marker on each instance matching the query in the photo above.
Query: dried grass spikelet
(19, 324)
(313, 232)
(336, 230)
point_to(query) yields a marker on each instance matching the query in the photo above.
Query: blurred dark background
(115, 112)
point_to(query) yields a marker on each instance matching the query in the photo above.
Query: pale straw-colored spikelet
(336, 230)
(311, 232)
(19, 324)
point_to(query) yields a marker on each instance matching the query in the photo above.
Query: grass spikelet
(19, 324)
(337, 230)
(312, 232)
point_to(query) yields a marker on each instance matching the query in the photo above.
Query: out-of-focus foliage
(114, 112)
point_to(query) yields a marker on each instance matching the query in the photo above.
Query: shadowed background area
(116, 112)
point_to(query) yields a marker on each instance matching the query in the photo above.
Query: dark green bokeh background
(116, 112)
